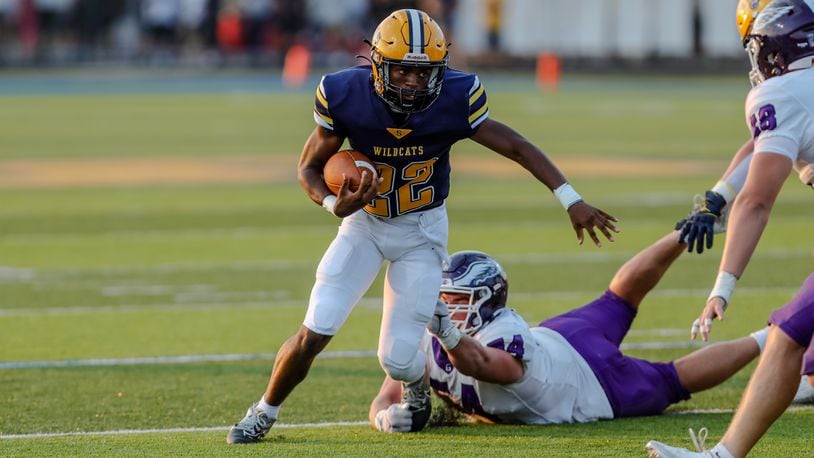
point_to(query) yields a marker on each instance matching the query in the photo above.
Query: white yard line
(121, 432)
(181, 359)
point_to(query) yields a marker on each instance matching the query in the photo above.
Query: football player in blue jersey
(485, 360)
(403, 111)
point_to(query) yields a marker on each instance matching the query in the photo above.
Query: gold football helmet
(746, 13)
(408, 38)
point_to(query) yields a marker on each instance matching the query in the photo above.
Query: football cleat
(252, 428)
(656, 449)
(417, 397)
(805, 392)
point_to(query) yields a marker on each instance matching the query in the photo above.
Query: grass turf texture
(145, 270)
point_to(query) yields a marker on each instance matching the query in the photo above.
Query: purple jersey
(412, 158)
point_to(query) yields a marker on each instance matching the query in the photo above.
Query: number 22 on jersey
(408, 197)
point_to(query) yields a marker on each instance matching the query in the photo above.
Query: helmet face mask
(781, 39)
(411, 39)
(482, 280)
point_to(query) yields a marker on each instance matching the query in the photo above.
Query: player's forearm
(747, 222)
(390, 393)
(311, 181)
(536, 162)
(469, 357)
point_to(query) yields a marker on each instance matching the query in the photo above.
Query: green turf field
(199, 270)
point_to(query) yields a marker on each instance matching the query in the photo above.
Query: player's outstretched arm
(749, 217)
(486, 364)
(507, 142)
(469, 357)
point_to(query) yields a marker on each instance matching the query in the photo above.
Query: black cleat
(417, 397)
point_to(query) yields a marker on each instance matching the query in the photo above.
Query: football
(351, 163)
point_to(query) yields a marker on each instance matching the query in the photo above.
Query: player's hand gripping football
(702, 223)
(585, 218)
(395, 419)
(348, 202)
(715, 308)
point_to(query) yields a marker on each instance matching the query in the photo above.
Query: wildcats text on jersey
(386, 151)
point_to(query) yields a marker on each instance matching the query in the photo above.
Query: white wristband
(328, 203)
(725, 190)
(450, 337)
(724, 285)
(567, 195)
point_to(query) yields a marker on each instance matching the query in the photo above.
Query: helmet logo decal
(770, 14)
(476, 273)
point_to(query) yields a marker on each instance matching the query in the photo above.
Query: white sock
(760, 337)
(720, 451)
(270, 410)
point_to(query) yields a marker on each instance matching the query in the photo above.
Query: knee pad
(403, 362)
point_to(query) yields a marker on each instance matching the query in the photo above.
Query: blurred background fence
(684, 34)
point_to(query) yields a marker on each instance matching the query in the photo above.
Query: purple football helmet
(781, 40)
(483, 279)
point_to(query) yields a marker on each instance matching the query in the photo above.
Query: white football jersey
(780, 115)
(557, 385)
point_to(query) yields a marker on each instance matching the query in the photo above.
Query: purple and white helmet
(483, 279)
(781, 40)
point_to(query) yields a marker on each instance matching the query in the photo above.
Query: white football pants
(415, 245)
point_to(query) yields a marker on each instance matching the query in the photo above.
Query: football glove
(442, 327)
(440, 319)
(395, 419)
(705, 220)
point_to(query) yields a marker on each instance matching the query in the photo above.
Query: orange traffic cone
(548, 72)
(297, 66)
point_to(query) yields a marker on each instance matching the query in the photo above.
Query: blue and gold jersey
(412, 158)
